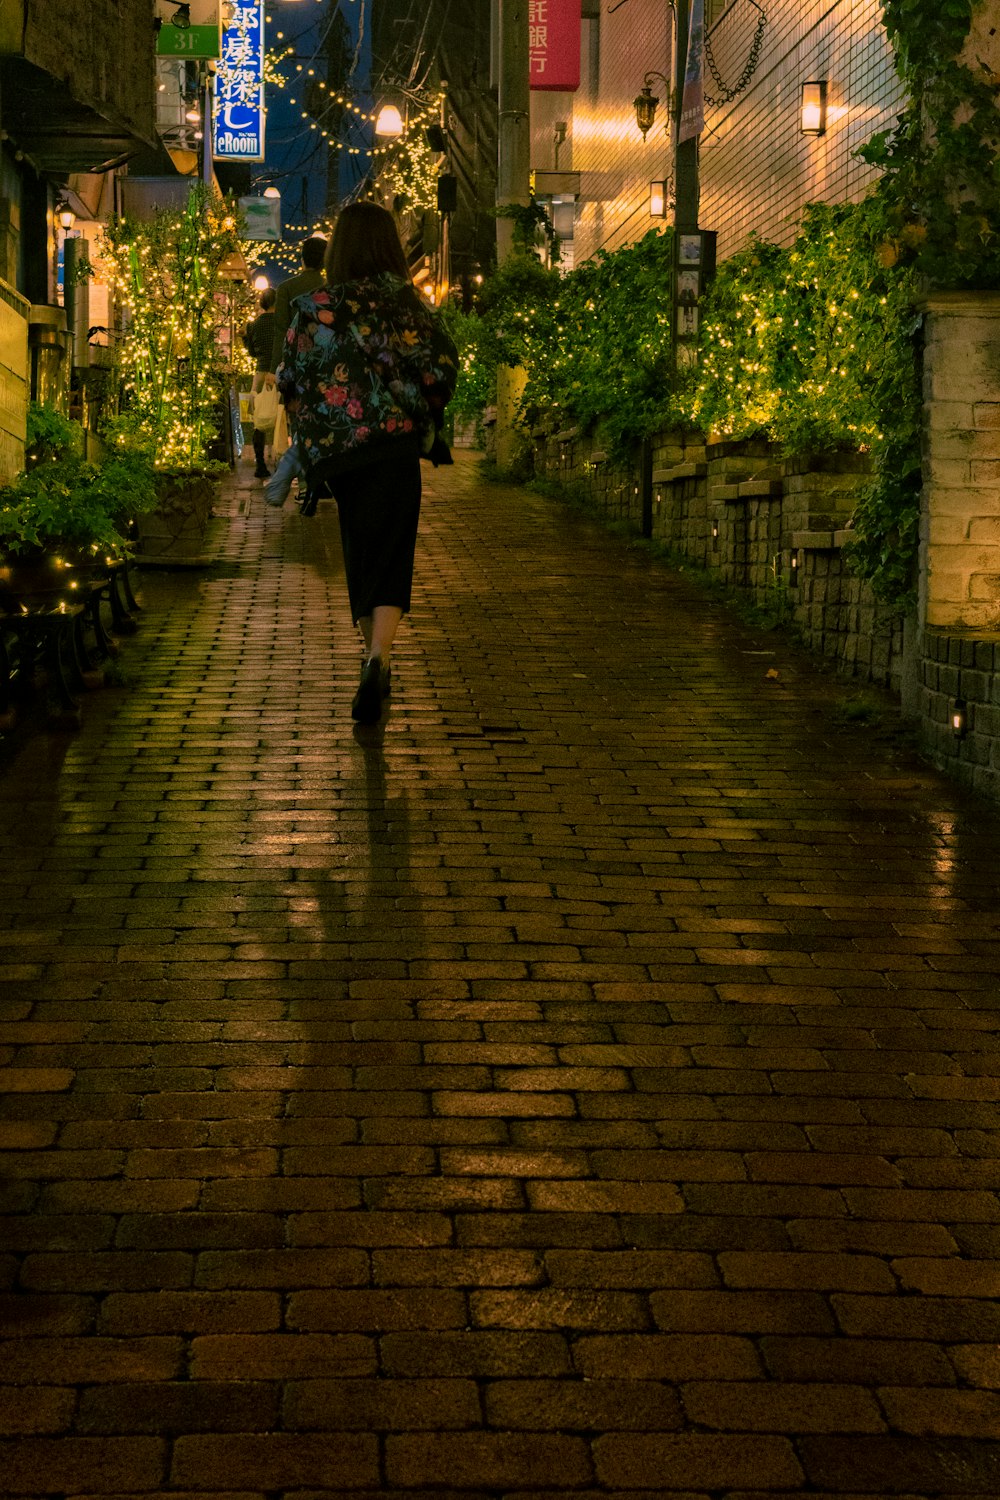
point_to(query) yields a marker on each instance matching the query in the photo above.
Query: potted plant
(63, 511)
(64, 538)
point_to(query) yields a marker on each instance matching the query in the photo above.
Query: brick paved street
(586, 1083)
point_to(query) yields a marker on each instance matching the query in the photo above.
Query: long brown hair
(365, 242)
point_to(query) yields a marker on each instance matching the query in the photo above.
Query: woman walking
(367, 371)
(257, 340)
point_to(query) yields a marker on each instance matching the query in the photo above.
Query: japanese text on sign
(239, 85)
(554, 44)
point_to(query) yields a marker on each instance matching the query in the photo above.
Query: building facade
(756, 166)
(76, 102)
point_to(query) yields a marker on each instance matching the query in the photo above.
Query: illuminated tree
(168, 274)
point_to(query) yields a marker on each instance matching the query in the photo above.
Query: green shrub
(596, 344)
(816, 348)
(66, 501)
(50, 434)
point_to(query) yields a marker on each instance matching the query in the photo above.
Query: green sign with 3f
(188, 41)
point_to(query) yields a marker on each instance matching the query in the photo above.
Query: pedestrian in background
(308, 279)
(259, 340)
(367, 373)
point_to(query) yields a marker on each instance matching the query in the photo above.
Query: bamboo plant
(168, 274)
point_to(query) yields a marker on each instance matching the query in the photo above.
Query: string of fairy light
(406, 166)
(167, 273)
(738, 352)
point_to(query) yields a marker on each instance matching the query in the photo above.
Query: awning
(59, 133)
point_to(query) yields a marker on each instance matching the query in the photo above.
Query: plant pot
(174, 533)
(49, 569)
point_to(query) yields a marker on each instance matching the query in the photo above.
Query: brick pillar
(14, 311)
(960, 513)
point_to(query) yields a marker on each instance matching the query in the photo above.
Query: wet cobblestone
(584, 1083)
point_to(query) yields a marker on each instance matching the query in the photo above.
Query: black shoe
(375, 684)
(261, 472)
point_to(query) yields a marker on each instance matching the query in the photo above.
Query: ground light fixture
(812, 109)
(959, 718)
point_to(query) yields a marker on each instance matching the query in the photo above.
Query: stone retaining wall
(771, 528)
(960, 673)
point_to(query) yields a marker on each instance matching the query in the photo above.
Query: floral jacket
(367, 364)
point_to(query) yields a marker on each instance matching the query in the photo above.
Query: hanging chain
(726, 94)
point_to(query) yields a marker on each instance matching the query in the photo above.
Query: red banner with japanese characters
(554, 44)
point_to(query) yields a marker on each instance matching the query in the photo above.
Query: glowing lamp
(959, 718)
(812, 114)
(657, 200)
(260, 283)
(272, 192)
(67, 218)
(389, 122)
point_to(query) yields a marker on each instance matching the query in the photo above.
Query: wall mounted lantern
(646, 101)
(67, 218)
(657, 200)
(181, 17)
(812, 113)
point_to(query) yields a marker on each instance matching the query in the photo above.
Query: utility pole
(514, 154)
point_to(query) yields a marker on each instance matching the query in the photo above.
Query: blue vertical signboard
(238, 129)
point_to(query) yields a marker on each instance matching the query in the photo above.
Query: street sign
(200, 39)
(554, 44)
(238, 127)
(262, 217)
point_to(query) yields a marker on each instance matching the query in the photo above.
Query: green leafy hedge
(816, 347)
(63, 499)
(595, 344)
(941, 164)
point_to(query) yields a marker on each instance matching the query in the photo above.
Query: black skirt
(379, 507)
